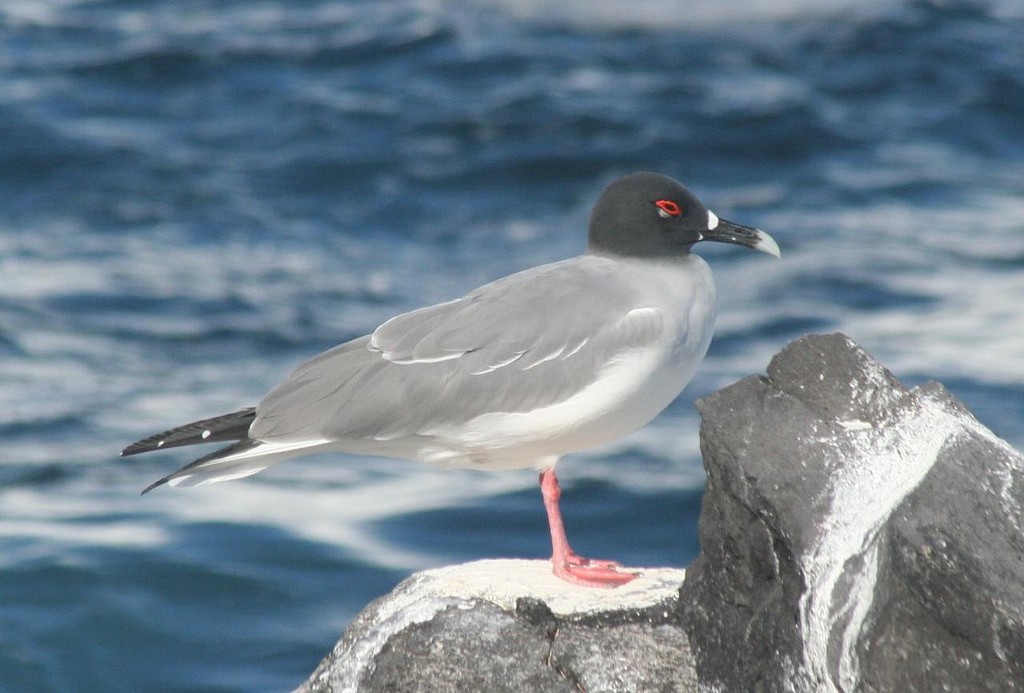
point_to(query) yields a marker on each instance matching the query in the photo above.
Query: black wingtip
(154, 442)
(231, 426)
(145, 445)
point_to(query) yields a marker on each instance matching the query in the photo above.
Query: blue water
(196, 196)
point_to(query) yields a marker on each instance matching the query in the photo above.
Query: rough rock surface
(855, 535)
(510, 625)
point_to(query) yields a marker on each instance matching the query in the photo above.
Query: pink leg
(568, 565)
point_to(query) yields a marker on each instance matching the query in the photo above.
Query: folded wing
(526, 341)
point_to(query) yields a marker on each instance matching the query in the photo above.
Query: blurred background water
(196, 196)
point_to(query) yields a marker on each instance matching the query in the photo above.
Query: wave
(672, 15)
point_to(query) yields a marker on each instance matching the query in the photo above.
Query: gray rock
(510, 625)
(856, 535)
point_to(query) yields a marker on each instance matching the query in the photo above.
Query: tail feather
(233, 426)
(236, 461)
(244, 457)
(219, 465)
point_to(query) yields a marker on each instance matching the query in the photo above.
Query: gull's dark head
(651, 215)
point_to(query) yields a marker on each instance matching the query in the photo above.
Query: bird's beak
(724, 231)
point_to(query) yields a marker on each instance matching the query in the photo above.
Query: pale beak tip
(767, 244)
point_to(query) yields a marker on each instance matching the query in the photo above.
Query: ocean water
(195, 196)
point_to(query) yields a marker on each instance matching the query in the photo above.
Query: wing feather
(528, 340)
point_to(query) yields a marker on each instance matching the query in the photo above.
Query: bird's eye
(668, 208)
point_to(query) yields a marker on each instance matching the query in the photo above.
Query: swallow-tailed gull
(515, 374)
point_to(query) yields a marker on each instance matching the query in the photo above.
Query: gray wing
(529, 340)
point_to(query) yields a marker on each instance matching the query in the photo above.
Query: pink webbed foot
(590, 572)
(567, 564)
(574, 559)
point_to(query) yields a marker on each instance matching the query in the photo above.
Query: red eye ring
(668, 208)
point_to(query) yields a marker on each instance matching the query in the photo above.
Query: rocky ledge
(511, 625)
(856, 535)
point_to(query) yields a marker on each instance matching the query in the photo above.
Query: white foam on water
(277, 21)
(36, 525)
(341, 515)
(953, 273)
(672, 15)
